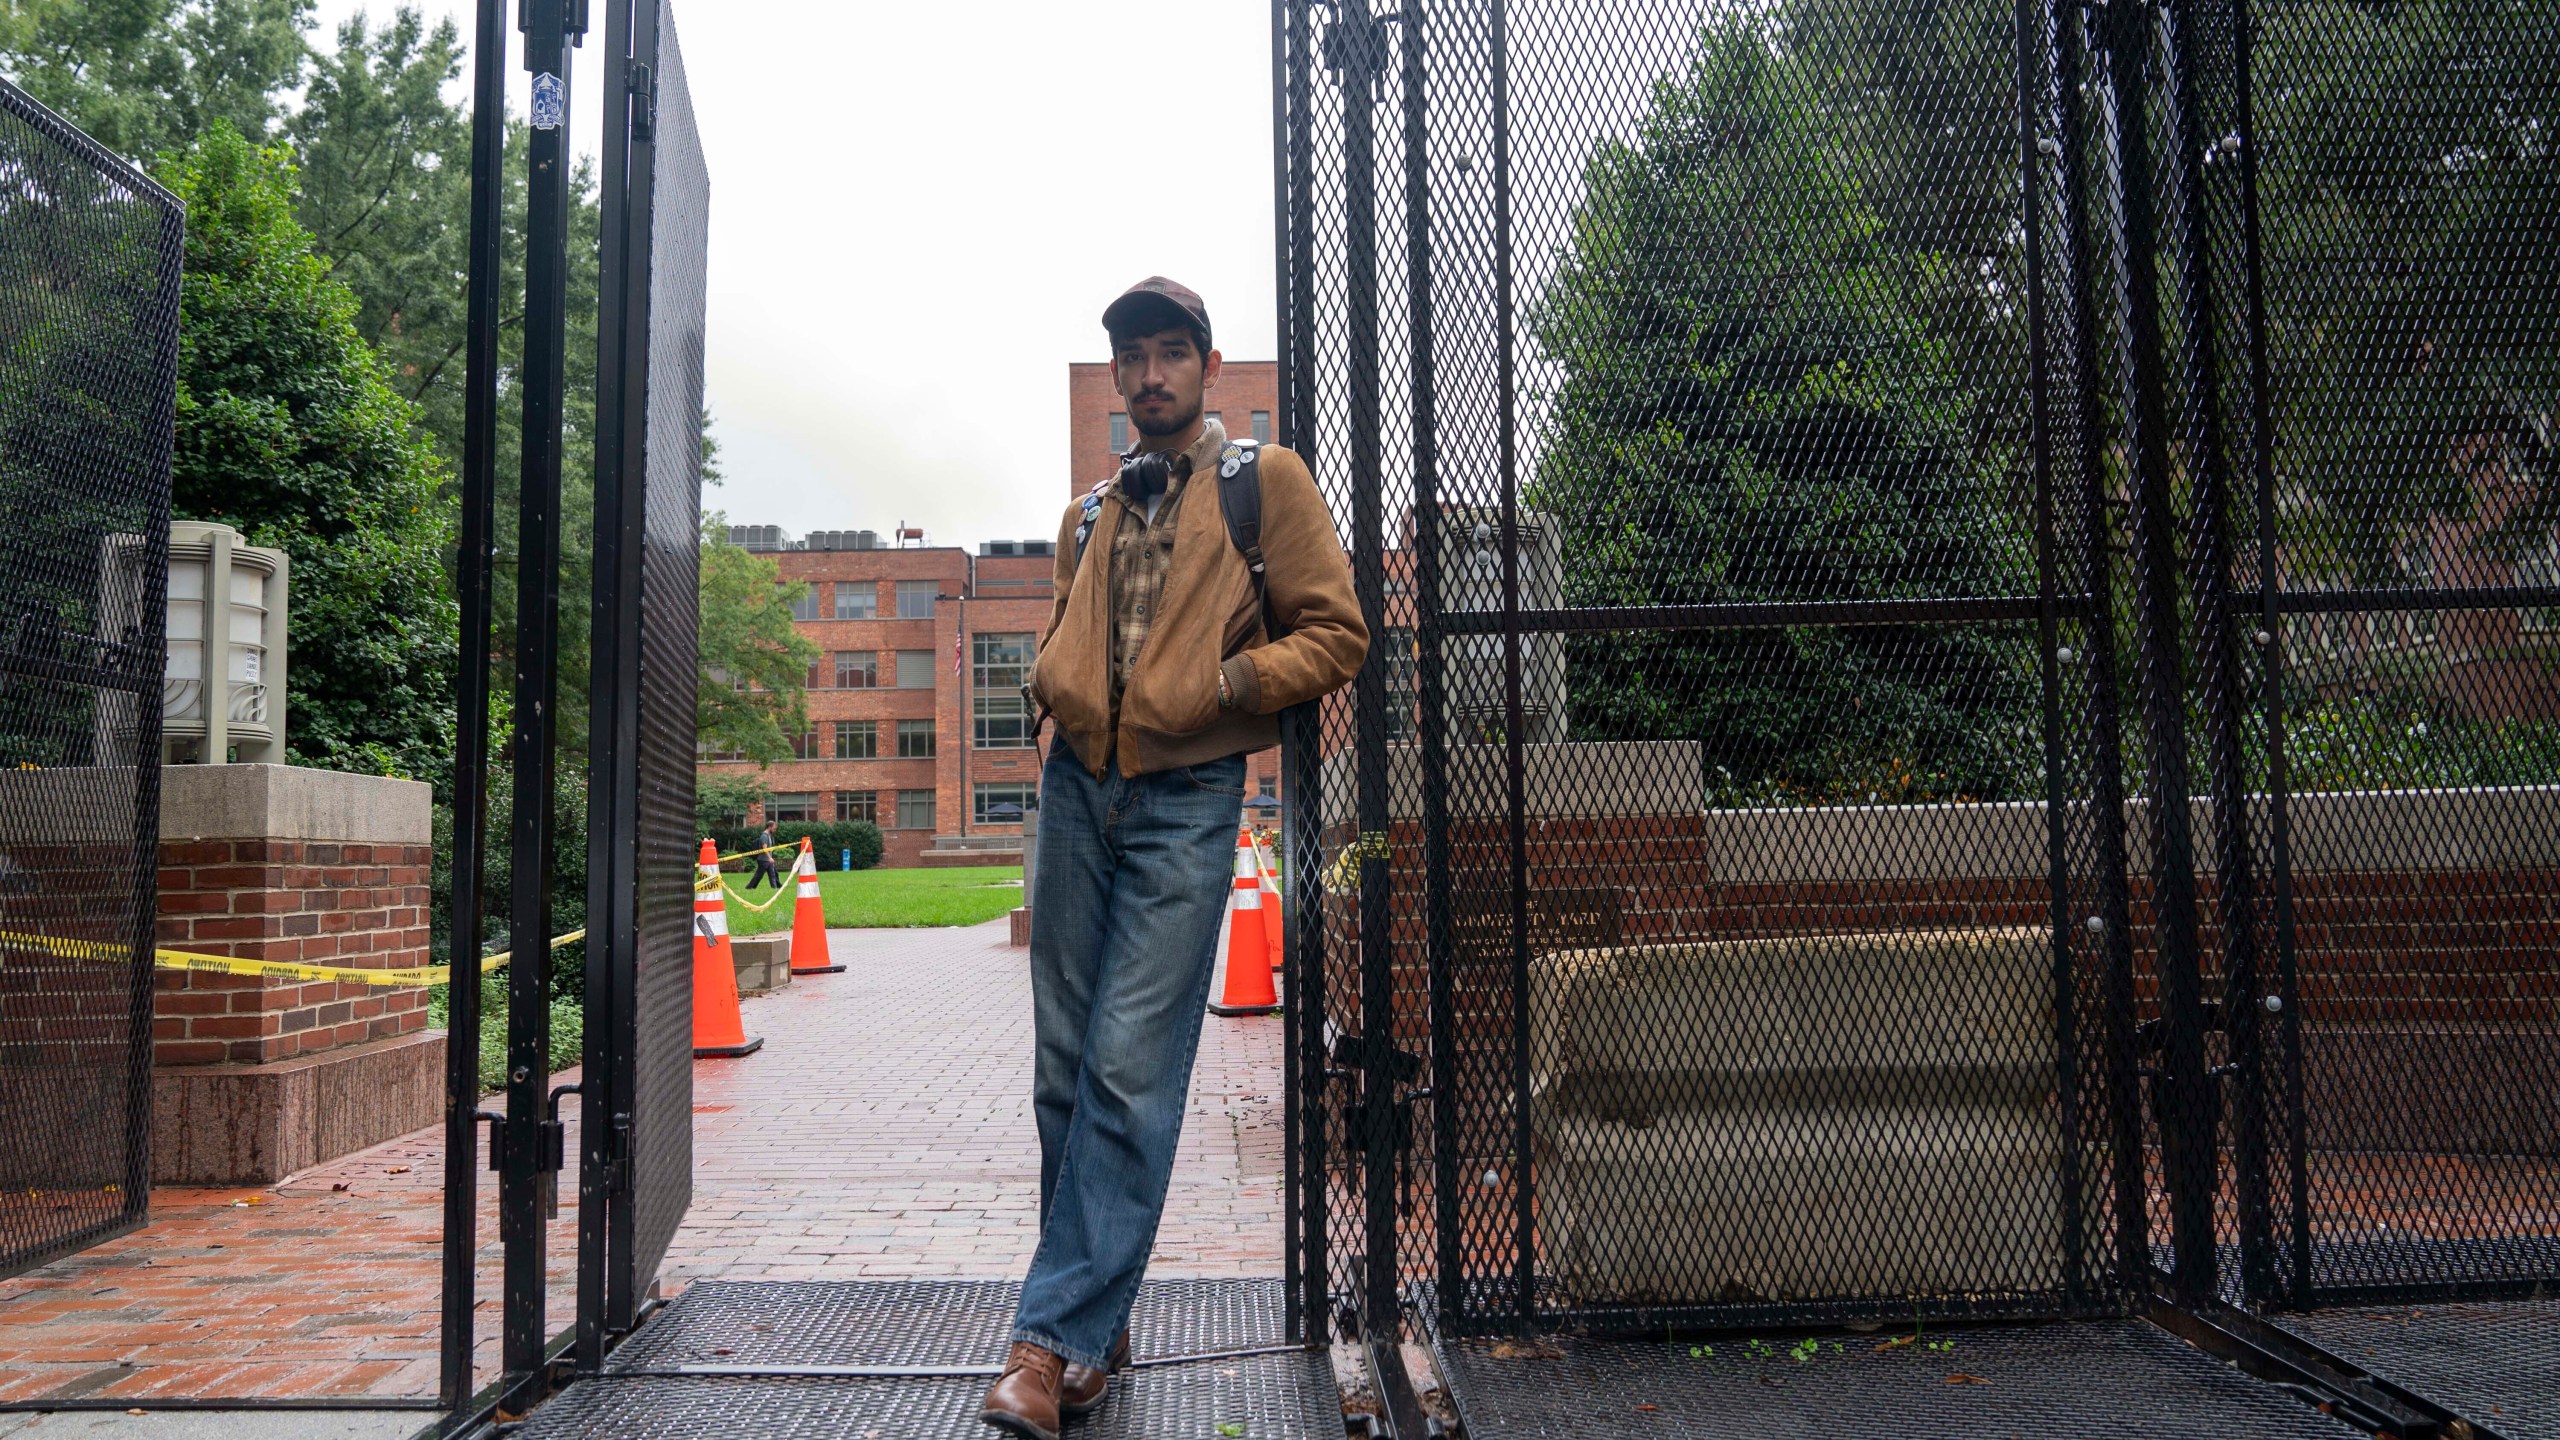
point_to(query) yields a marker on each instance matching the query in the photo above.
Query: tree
(2408, 177)
(1765, 391)
(386, 192)
(288, 429)
(755, 666)
(146, 77)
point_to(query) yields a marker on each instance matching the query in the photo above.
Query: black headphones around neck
(1145, 475)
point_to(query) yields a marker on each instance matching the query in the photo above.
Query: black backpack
(1239, 500)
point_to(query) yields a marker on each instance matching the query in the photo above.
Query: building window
(799, 805)
(858, 805)
(1119, 431)
(1220, 416)
(915, 809)
(915, 739)
(857, 602)
(804, 746)
(915, 669)
(1268, 787)
(857, 739)
(915, 598)
(804, 606)
(1262, 426)
(997, 663)
(1021, 793)
(857, 669)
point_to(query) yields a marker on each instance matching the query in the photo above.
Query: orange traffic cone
(719, 1032)
(1272, 928)
(809, 921)
(1248, 989)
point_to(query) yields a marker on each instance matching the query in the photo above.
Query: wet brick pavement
(885, 1129)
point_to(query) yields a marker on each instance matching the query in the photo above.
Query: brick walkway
(885, 1129)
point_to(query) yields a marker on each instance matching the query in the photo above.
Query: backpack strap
(1240, 499)
(1092, 512)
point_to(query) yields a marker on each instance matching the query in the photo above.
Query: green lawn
(865, 898)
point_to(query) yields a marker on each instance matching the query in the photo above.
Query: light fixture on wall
(223, 697)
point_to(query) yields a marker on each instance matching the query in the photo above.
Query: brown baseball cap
(1154, 304)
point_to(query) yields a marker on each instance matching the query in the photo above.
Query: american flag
(958, 668)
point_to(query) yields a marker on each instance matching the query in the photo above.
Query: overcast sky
(918, 213)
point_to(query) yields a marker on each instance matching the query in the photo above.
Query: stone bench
(1792, 1118)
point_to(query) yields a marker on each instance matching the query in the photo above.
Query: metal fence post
(2114, 913)
(1301, 756)
(471, 699)
(2181, 1097)
(1359, 49)
(2270, 642)
(526, 1165)
(2033, 92)
(1430, 735)
(2216, 646)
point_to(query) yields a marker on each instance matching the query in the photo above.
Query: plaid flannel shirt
(1142, 554)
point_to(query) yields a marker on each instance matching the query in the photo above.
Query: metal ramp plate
(2088, 1380)
(935, 1324)
(2494, 1363)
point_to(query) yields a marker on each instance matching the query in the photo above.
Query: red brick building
(915, 714)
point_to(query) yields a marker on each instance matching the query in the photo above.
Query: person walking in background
(764, 860)
(1199, 592)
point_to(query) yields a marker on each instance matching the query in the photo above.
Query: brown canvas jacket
(1207, 620)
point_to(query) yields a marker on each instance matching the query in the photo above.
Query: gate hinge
(644, 99)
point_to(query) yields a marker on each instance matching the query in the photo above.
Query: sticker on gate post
(549, 102)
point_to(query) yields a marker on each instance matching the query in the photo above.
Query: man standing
(765, 870)
(1166, 661)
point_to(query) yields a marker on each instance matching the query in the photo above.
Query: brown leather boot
(1081, 1388)
(1024, 1398)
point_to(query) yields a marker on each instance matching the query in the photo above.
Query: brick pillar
(256, 1078)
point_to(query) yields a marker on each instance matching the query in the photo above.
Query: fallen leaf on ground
(1961, 1378)
(341, 1185)
(1518, 1350)
(1648, 1407)
(397, 1170)
(137, 1412)
(1896, 1343)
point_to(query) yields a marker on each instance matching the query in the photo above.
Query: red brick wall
(315, 902)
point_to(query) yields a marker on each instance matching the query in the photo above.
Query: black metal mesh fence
(89, 261)
(662, 1153)
(2398, 556)
(1835, 823)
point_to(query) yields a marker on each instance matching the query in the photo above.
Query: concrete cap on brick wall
(288, 802)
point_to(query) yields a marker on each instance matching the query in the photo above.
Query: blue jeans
(1132, 880)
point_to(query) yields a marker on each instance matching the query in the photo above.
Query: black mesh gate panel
(1964, 688)
(89, 262)
(640, 1125)
(1709, 856)
(663, 1115)
(2399, 572)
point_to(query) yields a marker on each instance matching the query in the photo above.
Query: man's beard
(1157, 430)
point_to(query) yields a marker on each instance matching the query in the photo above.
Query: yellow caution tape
(759, 906)
(415, 975)
(767, 850)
